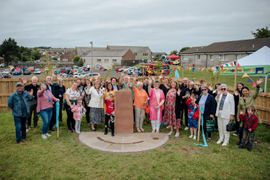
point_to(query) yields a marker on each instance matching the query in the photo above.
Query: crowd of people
(166, 102)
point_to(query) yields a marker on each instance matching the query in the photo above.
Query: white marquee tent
(259, 58)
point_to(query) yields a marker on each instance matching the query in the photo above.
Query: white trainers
(43, 136)
(170, 133)
(194, 137)
(219, 141)
(186, 128)
(48, 135)
(177, 134)
(191, 136)
(224, 144)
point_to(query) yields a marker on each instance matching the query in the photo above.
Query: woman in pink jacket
(45, 100)
(157, 99)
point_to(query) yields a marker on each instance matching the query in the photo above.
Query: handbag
(147, 109)
(231, 126)
(210, 125)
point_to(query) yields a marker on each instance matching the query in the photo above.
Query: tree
(183, 49)
(261, 33)
(36, 54)
(25, 54)
(9, 50)
(174, 52)
(78, 61)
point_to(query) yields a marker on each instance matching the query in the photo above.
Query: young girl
(78, 111)
(109, 108)
(193, 116)
(250, 123)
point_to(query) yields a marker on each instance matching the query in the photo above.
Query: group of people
(173, 103)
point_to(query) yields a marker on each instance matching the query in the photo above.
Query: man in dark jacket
(32, 103)
(55, 89)
(18, 102)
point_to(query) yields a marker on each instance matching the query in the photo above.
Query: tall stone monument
(123, 112)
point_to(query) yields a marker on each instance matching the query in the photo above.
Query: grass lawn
(210, 78)
(179, 158)
(223, 78)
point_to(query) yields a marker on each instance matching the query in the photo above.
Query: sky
(163, 25)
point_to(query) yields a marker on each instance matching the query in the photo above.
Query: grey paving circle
(135, 142)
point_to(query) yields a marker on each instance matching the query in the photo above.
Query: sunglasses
(223, 89)
(204, 89)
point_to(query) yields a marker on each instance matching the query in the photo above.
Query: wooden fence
(7, 86)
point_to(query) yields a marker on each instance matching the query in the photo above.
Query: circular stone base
(135, 142)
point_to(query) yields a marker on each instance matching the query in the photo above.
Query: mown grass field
(179, 158)
(210, 78)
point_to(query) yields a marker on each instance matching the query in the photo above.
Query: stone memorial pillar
(123, 112)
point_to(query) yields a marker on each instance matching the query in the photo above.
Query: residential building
(221, 52)
(108, 58)
(142, 53)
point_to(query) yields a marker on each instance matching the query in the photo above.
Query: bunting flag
(245, 75)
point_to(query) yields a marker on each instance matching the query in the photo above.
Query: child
(78, 111)
(109, 108)
(250, 123)
(193, 116)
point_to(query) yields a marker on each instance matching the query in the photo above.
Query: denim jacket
(15, 106)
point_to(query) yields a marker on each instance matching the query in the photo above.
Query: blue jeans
(20, 126)
(46, 116)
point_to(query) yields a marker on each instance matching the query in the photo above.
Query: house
(142, 53)
(221, 52)
(107, 58)
(67, 55)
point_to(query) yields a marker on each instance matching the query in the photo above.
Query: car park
(27, 72)
(37, 71)
(17, 72)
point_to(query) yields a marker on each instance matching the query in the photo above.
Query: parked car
(17, 72)
(5, 74)
(37, 71)
(93, 74)
(26, 72)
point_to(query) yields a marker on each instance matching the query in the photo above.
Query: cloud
(162, 25)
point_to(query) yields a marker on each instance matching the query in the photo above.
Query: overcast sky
(162, 25)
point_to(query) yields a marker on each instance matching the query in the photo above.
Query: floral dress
(169, 114)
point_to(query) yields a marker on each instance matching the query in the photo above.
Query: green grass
(210, 78)
(222, 78)
(67, 158)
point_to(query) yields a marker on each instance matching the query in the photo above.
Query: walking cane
(57, 105)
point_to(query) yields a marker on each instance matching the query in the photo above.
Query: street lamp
(91, 43)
